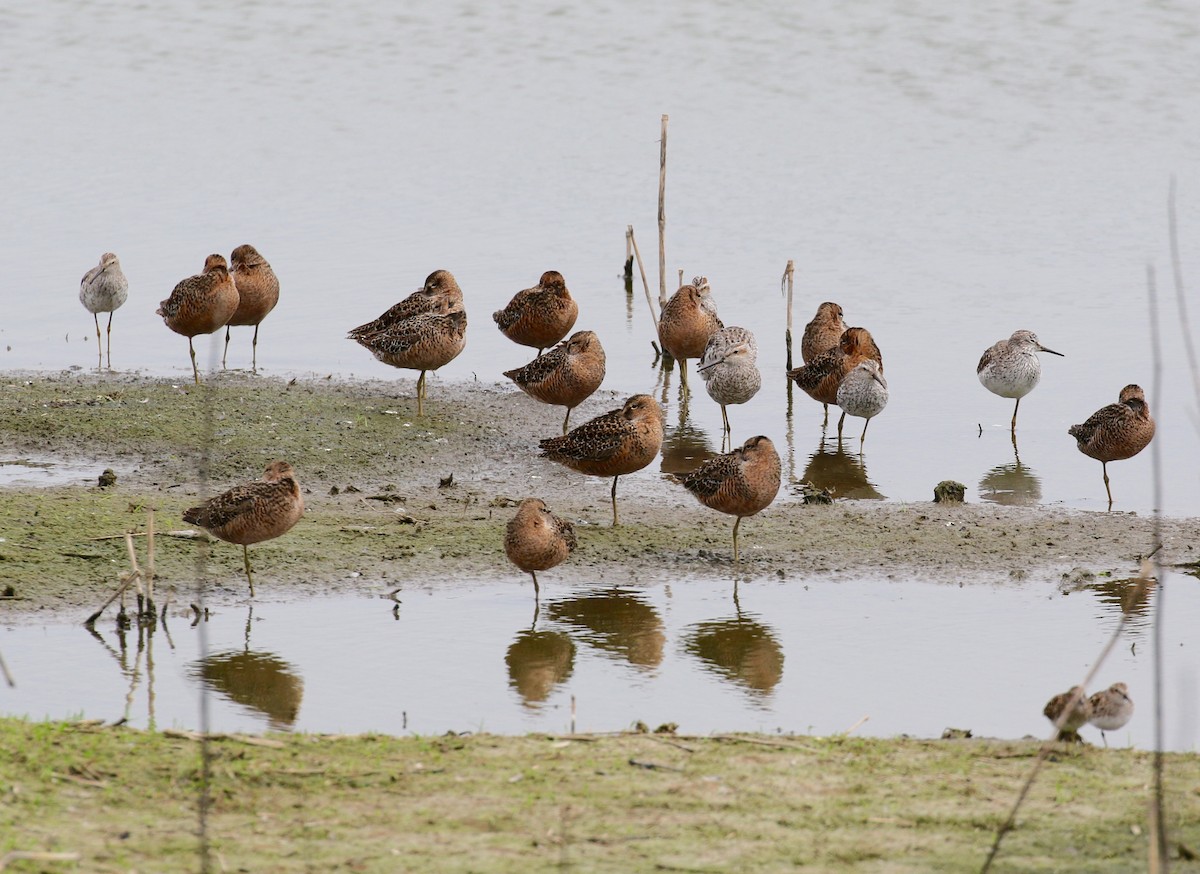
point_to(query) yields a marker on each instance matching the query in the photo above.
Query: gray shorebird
(252, 512)
(1116, 432)
(1075, 719)
(102, 290)
(537, 540)
(201, 304)
(863, 393)
(540, 316)
(1111, 709)
(258, 292)
(730, 371)
(1011, 368)
(686, 323)
(439, 286)
(741, 483)
(618, 442)
(822, 376)
(566, 375)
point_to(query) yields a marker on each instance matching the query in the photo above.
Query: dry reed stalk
(645, 284)
(662, 216)
(787, 283)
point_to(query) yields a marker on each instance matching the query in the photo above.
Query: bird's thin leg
(863, 438)
(1104, 468)
(254, 352)
(735, 530)
(109, 338)
(195, 369)
(841, 422)
(567, 419)
(728, 430)
(614, 500)
(539, 355)
(420, 392)
(825, 421)
(99, 349)
(683, 373)
(225, 354)
(537, 599)
(249, 576)
(1014, 422)
(1104, 737)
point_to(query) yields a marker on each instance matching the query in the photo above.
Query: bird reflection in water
(740, 649)
(843, 474)
(538, 661)
(1011, 484)
(615, 622)
(685, 447)
(1132, 597)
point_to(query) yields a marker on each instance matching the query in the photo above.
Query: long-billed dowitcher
(1011, 368)
(1111, 709)
(537, 540)
(730, 371)
(686, 323)
(822, 376)
(823, 332)
(102, 290)
(615, 443)
(1080, 713)
(539, 316)
(439, 286)
(566, 375)
(1116, 432)
(201, 304)
(258, 292)
(252, 512)
(863, 393)
(740, 483)
(422, 342)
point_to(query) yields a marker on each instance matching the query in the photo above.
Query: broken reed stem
(662, 215)
(645, 284)
(8, 678)
(1180, 297)
(788, 273)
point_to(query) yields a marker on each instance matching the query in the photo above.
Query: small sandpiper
(1011, 368)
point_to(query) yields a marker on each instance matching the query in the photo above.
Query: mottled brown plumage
(439, 286)
(1079, 714)
(615, 443)
(686, 323)
(1116, 432)
(823, 332)
(201, 304)
(258, 292)
(539, 316)
(1111, 709)
(821, 377)
(566, 375)
(741, 483)
(537, 540)
(252, 512)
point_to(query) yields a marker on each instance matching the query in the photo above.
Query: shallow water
(806, 656)
(948, 176)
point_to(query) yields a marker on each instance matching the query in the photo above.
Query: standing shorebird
(1116, 432)
(566, 375)
(537, 540)
(539, 316)
(1068, 725)
(201, 304)
(102, 290)
(863, 393)
(252, 512)
(439, 286)
(1111, 709)
(822, 334)
(687, 321)
(615, 443)
(422, 342)
(1011, 368)
(730, 371)
(740, 483)
(822, 376)
(258, 292)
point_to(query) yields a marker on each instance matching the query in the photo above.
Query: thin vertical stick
(572, 714)
(645, 284)
(150, 560)
(788, 274)
(1180, 297)
(662, 216)
(8, 678)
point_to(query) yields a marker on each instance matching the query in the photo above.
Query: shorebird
(566, 375)
(258, 292)
(729, 370)
(102, 290)
(687, 321)
(822, 334)
(439, 285)
(1111, 709)
(201, 304)
(740, 483)
(863, 393)
(537, 540)
(539, 316)
(822, 376)
(252, 512)
(1116, 432)
(422, 342)
(615, 443)
(1068, 725)
(1011, 368)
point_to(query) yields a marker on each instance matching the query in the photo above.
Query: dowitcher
(102, 290)
(823, 332)
(863, 393)
(258, 292)
(1011, 368)
(1080, 713)
(566, 375)
(740, 483)
(539, 316)
(537, 540)
(730, 371)
(422, 342)
(439, 285)
(615, 443)
(1116, 432)
(252, 512)
(687, 321)
(822, 376)
(201, 304)
(1111, 709)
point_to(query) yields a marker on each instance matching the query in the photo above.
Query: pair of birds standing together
(1108, 710)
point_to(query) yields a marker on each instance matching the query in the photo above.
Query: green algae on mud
(395, 499)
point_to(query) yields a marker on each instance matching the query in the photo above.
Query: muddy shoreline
(382, 511)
